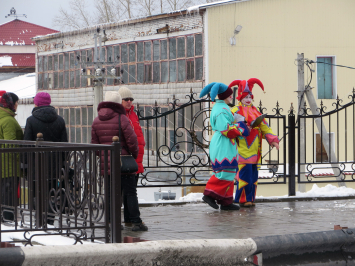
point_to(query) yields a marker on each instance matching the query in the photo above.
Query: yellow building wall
(274, 31)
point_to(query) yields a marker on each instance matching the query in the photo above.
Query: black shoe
(231, 207)
(139, 227)
(210, 202)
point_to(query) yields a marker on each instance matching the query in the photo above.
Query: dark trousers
(130, 200)
(8, 191)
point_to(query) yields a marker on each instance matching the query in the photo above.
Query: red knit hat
(2, 93)
(245, 87)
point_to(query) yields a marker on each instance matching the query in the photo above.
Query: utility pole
(320, 126)
(301, 122)
(100, 72)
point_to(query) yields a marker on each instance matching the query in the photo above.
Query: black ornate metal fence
(177, 140)
(328, 146)
(61, 188)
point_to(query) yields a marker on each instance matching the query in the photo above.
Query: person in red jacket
(106, 126)
(127, 102)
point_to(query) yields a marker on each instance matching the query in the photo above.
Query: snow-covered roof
(23, 86)
(19, 32)
(195, 8)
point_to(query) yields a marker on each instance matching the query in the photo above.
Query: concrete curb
(298, 244)
(177, 252)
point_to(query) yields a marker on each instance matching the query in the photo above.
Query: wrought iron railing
(61, 188)
(328, 150)
(177, 139)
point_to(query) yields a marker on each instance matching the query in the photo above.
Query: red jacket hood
(107, 110)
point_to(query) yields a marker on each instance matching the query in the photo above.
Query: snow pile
(192, 197)
(23, 86)
(46, 238)
(5, 61)
(316, 192)
(327, 191)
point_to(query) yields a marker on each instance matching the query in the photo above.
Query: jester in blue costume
(223, 148)
(249, 148)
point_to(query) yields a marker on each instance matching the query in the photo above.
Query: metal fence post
(291, 153)
(38, 178)
(116, 191)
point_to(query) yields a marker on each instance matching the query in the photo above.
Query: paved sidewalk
(199, 221)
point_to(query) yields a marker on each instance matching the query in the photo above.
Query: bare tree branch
(107, 11)
(77, 18)
(127, 7)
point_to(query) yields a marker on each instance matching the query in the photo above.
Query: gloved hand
(238, 118)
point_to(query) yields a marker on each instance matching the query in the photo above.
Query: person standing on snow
(223, 148)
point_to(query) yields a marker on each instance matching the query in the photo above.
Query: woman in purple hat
(45, 120)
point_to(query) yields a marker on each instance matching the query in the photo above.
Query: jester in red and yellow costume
(223, 148)
(249, 148)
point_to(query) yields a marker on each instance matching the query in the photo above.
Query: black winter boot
(139, 227)
(210, 201)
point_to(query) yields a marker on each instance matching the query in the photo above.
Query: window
(132, 73)
(132, 52)
(140, 53)
(325, 78)
(198, 44)
(156, 72)
(181, 47)
(147, 51)
(61, 62)
(40, 64)
(102, 54)
(321, 153)
(148, 73)
(72, 60)
(156, 50)
(190, 70)
(124, 53)
(172, 48)
(171, 59)
(118, 73)
(140, 73)
(66, 61)
(109, 54)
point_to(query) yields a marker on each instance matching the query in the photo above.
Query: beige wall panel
(274, 31)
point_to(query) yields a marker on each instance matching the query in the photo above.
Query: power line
(311, 62)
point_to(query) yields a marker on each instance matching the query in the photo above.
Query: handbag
(128, 163)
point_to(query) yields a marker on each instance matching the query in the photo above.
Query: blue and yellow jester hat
(216, 88)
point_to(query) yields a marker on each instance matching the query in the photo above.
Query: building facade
(159, 58)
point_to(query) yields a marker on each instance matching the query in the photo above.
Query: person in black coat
(45, 120)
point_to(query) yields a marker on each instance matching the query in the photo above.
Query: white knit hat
(113, 96)
(125, 92)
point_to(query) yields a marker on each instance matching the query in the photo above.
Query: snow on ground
(47, 239)
(23, 86)
(315, 192)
